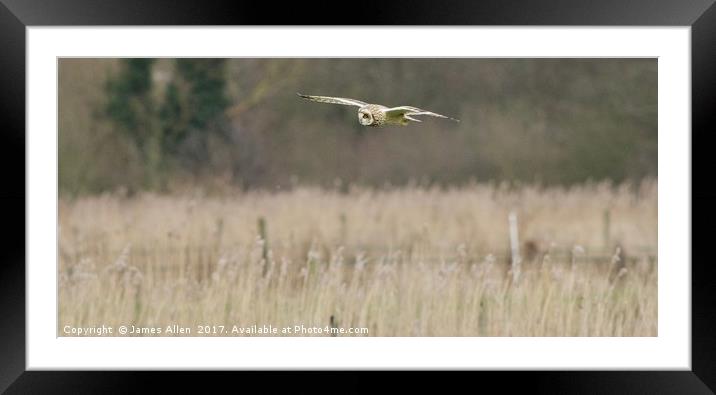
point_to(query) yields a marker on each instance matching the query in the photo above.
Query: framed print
(482, 188)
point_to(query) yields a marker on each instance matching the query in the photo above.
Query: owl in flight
(377, 115)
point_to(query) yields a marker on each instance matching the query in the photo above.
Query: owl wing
(334, 100)
(408, 112)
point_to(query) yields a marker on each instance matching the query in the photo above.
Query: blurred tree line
(159, 124)
(191, 108)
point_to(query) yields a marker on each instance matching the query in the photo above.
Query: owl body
(373, 115)
(376, 115)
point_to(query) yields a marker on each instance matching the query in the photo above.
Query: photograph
(357, 197)
(239, 189)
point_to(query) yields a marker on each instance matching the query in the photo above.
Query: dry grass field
(407, 261)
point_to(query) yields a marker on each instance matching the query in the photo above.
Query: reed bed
(408, 261)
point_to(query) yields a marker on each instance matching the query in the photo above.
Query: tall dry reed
(400, 262)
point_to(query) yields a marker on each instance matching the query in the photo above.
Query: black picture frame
(16, 15)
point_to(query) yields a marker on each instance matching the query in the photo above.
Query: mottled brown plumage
(377, 115)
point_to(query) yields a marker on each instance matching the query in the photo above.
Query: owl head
(365, 117)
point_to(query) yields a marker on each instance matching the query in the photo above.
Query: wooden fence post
(606, 230)
(514, 247)
(264, 238)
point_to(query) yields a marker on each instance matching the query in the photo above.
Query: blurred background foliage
(165, 124)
